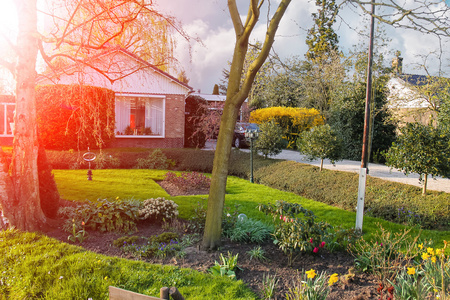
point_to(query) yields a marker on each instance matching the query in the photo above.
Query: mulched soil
(355, 286)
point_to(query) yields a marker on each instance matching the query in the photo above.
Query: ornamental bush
(75, 116)
(158, 209)
(293, 120)
(102, 215)
(270, 140)
(297, 234)
(155, 160)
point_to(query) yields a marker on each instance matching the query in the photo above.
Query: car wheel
(237, 142)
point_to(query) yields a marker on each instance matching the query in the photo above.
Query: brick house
(149, 105)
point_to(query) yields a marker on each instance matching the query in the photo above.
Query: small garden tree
(196, 111)
(421, 149)
(270, 140)
(321, 142)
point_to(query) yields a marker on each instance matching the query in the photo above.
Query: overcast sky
(210, 21)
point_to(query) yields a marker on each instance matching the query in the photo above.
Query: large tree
(237, 92)
(86, 27)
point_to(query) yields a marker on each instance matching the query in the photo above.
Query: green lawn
(140, 184)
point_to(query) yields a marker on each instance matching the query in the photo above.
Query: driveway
(375, 170)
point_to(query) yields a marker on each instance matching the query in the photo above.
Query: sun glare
(8, 18)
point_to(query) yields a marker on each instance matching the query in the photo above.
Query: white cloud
(210, 21)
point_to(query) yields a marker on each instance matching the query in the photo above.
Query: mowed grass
(140, 184)
(33, 266)
(125, 184)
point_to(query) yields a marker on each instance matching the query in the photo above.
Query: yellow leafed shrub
(293, 120)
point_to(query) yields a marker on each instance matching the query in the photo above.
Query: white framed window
(7, 118)
(140, 116)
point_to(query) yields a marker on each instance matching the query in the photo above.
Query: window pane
(122, 115)
(154, 115)
(139, 116)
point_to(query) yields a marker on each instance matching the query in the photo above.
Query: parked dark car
(239, 140)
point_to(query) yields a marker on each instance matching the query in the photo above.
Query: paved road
(375, 170)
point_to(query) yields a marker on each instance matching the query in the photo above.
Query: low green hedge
(388, 200)
(185, 160)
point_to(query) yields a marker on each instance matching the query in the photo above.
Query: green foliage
(227, 266)
(196, 110)
(421, 149)
(347, 119)
(125, 240)
(188, 180)
(296, 234)
(103, 215)
(249, 231)
(322, 39)
(384, 199)
(270, 139)
(410, 286)
(257, 253)
(320, 142)
(78, 235)
(165, 237)
(156, 160)
(269, 286)
(311, 286)
(385, 255)
(106, 161)
(48, 191)
(198, 219)
(33, 266)
(158, 209)
(74, 116)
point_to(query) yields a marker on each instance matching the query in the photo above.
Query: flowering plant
(312, 286)
(77, 235)
(297, 234)
(158, 209)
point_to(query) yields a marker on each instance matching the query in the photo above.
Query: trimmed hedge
(392, 201)
(75, 116)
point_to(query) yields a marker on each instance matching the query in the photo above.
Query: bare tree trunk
(321, 164)
(236, 95)
(20, 192)
(425, 182)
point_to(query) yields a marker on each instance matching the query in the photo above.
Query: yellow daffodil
(439, 251)
(333, 279)
(411, 271)
(433, 259)
(420, 246)
(430, 251)
(311, 273)
(425, 256)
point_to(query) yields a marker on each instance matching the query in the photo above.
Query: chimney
(397, 63)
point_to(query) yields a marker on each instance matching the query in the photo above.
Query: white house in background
(150, 103)
(411, 96)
